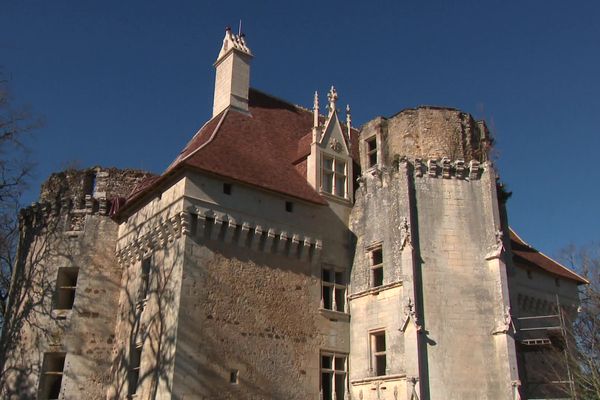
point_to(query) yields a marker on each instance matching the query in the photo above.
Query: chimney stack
(232, 80)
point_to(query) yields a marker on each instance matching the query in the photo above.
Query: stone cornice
(208, 224)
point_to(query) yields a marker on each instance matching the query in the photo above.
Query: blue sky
(127, 83)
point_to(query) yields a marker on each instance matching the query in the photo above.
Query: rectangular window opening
(372, 151)
(51, 377)
(66, 284)
(376, 264)
(378, 353)
(334, 176)
(289, 206)
(333, 376)
(227, 188)
(234, 377)
(333, 294)
(144, 280)
(135, 360)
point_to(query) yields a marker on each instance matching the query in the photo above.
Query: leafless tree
(584, 355)
(15, 168)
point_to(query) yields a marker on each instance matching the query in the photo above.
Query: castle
(285, 254)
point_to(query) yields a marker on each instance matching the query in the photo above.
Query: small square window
(289, 206)
(227, 188)
(529, 274)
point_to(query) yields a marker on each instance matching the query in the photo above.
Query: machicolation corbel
(446, 168)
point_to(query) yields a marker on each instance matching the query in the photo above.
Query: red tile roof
(525, 255)
(258, 148)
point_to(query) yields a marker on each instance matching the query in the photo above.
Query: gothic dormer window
(334, 176)
(329, 165)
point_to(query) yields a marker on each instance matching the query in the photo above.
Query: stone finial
(332, 97)
(349, 124)
(316, 110)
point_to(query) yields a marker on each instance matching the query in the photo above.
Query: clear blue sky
(127, 83)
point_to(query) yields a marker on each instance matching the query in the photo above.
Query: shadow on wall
(29, 321)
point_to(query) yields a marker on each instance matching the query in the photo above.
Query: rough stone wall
(250, 313)
(251, 292)
(97, 182)
(64, 230)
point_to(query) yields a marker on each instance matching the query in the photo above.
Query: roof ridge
(548, 257)
(212, 136)
(302, 108)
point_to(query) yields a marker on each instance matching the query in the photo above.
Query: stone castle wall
(430, 203)
(68, 228)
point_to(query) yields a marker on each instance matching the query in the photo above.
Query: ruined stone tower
(65, 288)
(283, 254)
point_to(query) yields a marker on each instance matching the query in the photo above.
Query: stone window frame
(372, 152)
(336, 287)
(66, 288)
(333, 369)
(376, 269)
(334, 174)
(51, 377)
(378, 356)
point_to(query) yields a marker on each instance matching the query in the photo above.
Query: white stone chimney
(232, 79)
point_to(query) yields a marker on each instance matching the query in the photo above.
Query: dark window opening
(289, 206)
(333, 376)
(135, 360)
(234, 377)
(227, 188)
(376, 264)
(372, 151)
(144, 279)
(66, 284)
(378, 347)
(333, 294)
(51, 377)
